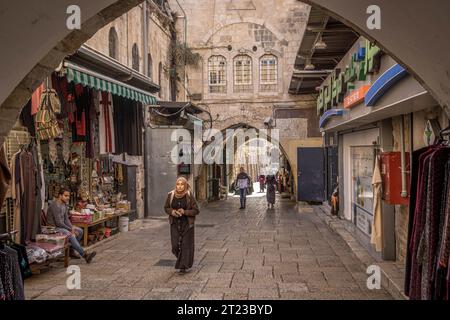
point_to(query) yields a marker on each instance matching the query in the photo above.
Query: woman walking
(182, 208)
(271, 182)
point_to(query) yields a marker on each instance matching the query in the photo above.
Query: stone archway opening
(258, 151)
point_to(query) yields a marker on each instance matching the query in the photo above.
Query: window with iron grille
(217, 74)
(268, 73)
(243, 74)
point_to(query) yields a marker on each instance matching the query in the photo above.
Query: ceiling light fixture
(309, 65)
(320, 44)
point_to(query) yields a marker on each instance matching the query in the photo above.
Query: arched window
(268, 73)
(243, 74)
(217, 74)
(113, 44)
(135, 57)
(150, 66)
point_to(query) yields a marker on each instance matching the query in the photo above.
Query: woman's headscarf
(187, 187)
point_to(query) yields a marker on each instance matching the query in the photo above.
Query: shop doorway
(310, 171)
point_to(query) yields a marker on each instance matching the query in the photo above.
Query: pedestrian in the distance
(182, 209)
(262, 183)
(271, 183)
(243, 182)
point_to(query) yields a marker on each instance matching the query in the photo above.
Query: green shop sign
(366, 60)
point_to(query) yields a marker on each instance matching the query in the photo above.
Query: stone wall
(130, 31)
(232, 27)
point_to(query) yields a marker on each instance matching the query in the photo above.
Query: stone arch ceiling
(34, 40)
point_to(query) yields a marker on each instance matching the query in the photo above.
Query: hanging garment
(128, 124)
(430, 236)
(65, 94)
(52, 151)
(36, 99)
(28, 203)
(106, 124)
(5, 176)
(38, 193)
(17, 193)
(27, 119)
(11, 282)
(416, 169)
(419, 223)
(376, 238)
(79, 123)
(91, 116)
(442, 268)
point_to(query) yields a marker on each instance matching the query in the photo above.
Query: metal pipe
(185, 44)
(404, 193)
(145, 29)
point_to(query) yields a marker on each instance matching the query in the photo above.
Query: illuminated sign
(366, 60)
(328, 114)
(356, 97)
(384, 83)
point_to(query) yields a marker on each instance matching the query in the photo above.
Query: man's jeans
(243, 194)
(74, 241)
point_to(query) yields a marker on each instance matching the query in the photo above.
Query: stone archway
(260, 135)
(44, 42)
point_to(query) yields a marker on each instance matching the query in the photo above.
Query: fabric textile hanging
(376, 228)
(427, 267)
(106, 123)
(11, 280)
(128, 123)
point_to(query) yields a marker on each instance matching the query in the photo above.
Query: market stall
(74, 132)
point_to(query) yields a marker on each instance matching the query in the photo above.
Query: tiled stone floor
(255, 253)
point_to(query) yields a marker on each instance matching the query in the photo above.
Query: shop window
(243, 74)
(217, 74)
(268, 73)
(362, 163)
(113, 44)
(135, 57)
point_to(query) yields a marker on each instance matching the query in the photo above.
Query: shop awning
(85, 77)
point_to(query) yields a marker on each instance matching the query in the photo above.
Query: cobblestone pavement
(286, 253)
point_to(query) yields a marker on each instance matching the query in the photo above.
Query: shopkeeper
(58, 216)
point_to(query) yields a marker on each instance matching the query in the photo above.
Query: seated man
(58, 216)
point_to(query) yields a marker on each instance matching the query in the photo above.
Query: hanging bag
(47, 127)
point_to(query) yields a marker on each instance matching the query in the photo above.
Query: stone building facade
(124, 40)
(247, 61)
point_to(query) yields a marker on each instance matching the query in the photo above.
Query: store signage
(366, 60)
(384, 83)
(328, 114)
(356, 97)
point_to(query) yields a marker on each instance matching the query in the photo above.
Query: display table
(86, 226)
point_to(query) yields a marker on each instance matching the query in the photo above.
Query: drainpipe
(404, 193)
(185, 44)
(145, 29)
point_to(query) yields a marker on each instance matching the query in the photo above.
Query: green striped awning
(107, 84)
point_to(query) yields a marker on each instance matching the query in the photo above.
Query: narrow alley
(252, 254)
